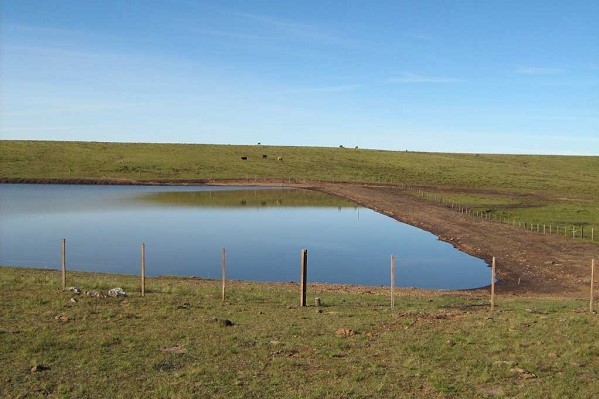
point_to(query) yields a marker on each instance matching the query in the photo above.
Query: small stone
(62, 318)
(75, 290)
(186, 305)
(345, 332)
(502, 362)
(95, 294)
(117, 292)
(72, 300)
(524, 374)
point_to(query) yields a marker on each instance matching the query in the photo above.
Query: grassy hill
(174, 343)
(545, 189)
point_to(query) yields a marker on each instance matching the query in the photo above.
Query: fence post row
(489, 216)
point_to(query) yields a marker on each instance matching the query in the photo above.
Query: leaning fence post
(592, 284)
(143, 269)
(493, 284)
(223, 266)
(304, 276)
(63, 264)
(392, 281)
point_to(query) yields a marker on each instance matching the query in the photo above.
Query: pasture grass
(534, 188)
(171, 344)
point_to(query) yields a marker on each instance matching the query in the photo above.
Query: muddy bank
(528, 263)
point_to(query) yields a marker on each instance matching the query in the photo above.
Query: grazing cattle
(264, 156)
(279, 158)
(244, 158)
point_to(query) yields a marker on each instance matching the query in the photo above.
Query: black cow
(244, 158)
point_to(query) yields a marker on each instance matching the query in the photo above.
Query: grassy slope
(446, 345)
(546, 189)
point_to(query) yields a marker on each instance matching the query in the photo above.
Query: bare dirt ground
(528, 263)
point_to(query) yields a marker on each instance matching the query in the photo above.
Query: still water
(184, 229)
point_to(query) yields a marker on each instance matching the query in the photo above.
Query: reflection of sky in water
(104, 226)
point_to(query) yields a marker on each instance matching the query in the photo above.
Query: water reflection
(238, 198)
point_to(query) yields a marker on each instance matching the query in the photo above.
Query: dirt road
(528, 263)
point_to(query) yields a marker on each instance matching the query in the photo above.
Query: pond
(184, 229)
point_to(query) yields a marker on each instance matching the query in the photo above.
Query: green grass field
(540, 189)
(171, 343)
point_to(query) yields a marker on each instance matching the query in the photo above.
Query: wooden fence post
(304, 276)
(143, 269)
(592, 283)
(392, 282)
(493, 285)
(223, 267)
(63, 264)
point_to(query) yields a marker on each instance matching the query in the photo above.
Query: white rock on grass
(117, 292)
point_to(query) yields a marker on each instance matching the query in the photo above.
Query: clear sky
(459, 76)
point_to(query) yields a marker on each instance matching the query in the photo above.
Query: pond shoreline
(528, 263)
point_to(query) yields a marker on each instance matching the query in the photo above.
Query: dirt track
(528, 263)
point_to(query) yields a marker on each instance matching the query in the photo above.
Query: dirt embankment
(528, 263)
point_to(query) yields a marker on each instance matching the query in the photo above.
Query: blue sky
(456, 76)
